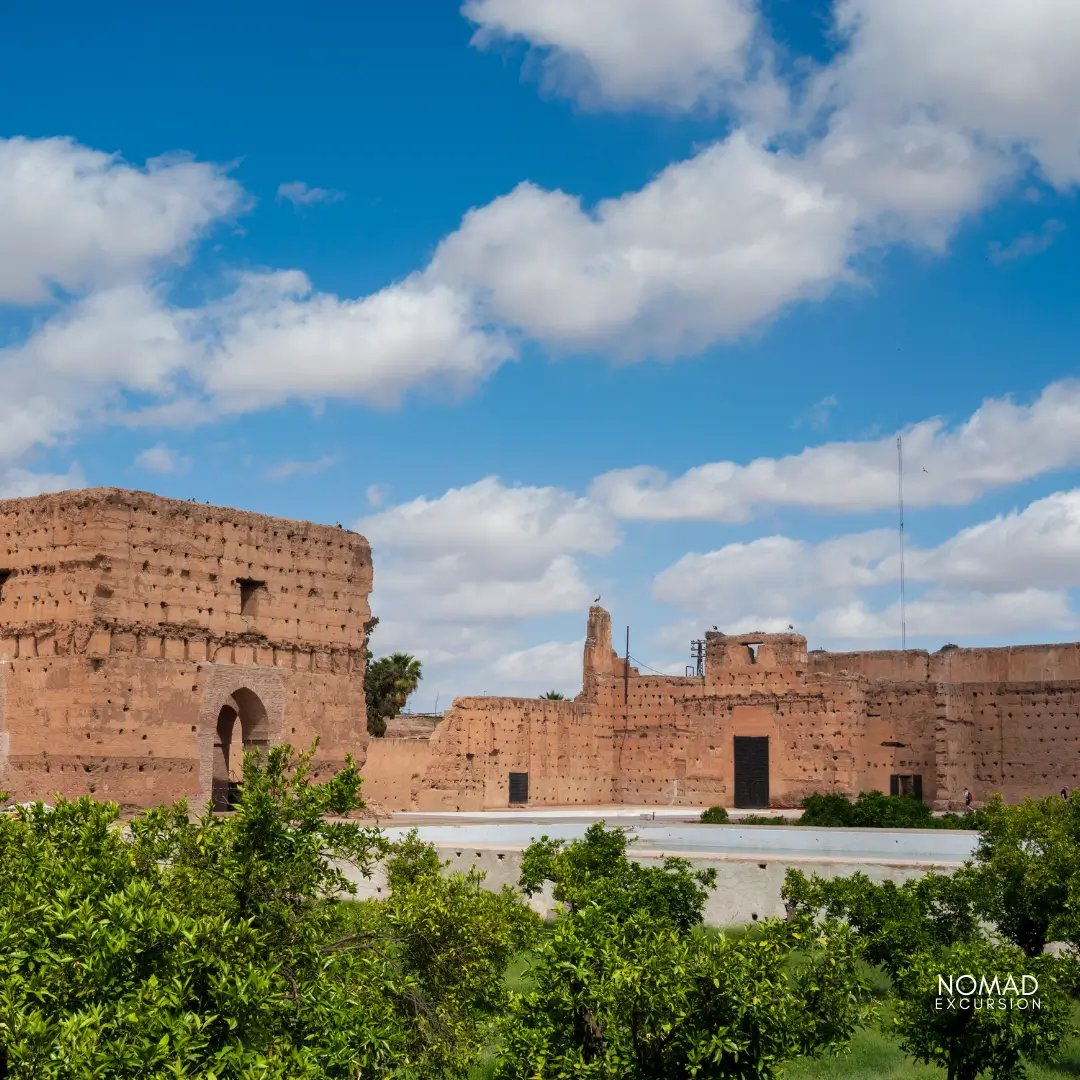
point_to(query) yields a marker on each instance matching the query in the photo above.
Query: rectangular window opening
(909, 784)
(4, 575)
(519, 788)
(250, 591)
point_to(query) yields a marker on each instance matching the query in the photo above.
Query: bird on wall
(597, 600)
(790, 627)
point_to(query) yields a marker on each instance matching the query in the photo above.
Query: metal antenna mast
(903, 591)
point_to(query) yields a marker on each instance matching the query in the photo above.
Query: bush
(871, 810)
(715, 815)
(761, 819)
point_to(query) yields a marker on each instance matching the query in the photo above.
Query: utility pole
(626, 670)
(903, 591)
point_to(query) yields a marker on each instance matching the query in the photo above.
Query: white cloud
(376, 494)
(627, 52)
(532, 672)
(492, 529)
(1002, 70)
(1027, 244)
(163, 460)
(22, 483)
(459, 578)
(299, 194)
(292, 468)
(707, 250)
(276, 339)
(78, 218)
(997, 578)
(1002, 443)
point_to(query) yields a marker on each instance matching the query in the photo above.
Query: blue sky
(448, 274)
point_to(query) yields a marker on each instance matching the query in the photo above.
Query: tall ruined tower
(145, 641)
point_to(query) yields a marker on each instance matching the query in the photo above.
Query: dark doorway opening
(519, 788)
(751, 772)
(242, 725)
(909, 784)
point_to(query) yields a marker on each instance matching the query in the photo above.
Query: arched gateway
(242, 725)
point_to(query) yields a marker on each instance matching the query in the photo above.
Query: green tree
(893, 922)
(934, 1027)
(715, 815)
(595, 871)
(225, 946)
(627, 987)
(1027, 868)
(554, 695)
(388, 682)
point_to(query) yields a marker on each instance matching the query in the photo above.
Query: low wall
(394, 770)
(747, 887)
(750, 862)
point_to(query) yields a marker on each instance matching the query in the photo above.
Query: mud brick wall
(564, 746)
(129, 622)
(994, 720)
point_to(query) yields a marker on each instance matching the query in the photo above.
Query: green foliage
(870, 810)
(873, 810)
(225, 947)
(595, 871)
(388, 682)
(967, 1042)
(554, 695)
(1026, 873)
(625, 998)
(893, 922)
(715, 815)
(762, 819)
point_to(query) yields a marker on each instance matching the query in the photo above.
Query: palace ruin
(144, 642)
(765, 724)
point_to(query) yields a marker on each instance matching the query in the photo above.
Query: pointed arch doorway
(242, 725)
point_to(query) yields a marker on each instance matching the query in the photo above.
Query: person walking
(967, 799)
(1065, 794)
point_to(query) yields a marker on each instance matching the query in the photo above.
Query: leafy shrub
(594, 871)
(762, 819)
(870, 810)
(715, 815)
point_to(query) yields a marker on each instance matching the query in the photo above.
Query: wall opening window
(519, 788)
(4, 575)
(909, 784)
(250, 593)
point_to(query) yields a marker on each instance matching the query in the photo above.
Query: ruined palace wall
(133, 719)
(674, 738)
(899, 734)
(1007, 664)
(394, 771)
(564, 746)
(1016, 739)
(123, 632)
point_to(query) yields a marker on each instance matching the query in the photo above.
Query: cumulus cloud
(22, 483)
(76, 218)
(1000, 444)
(532, 672)
(707, 250)
(460, 576)
(299, 194)
(996, 578)
(274, 339)
(163, 460)
(628, 52)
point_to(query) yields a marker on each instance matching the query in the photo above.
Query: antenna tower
(903, 584)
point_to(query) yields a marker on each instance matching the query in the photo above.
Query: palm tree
(553, 695)
(388, 683)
